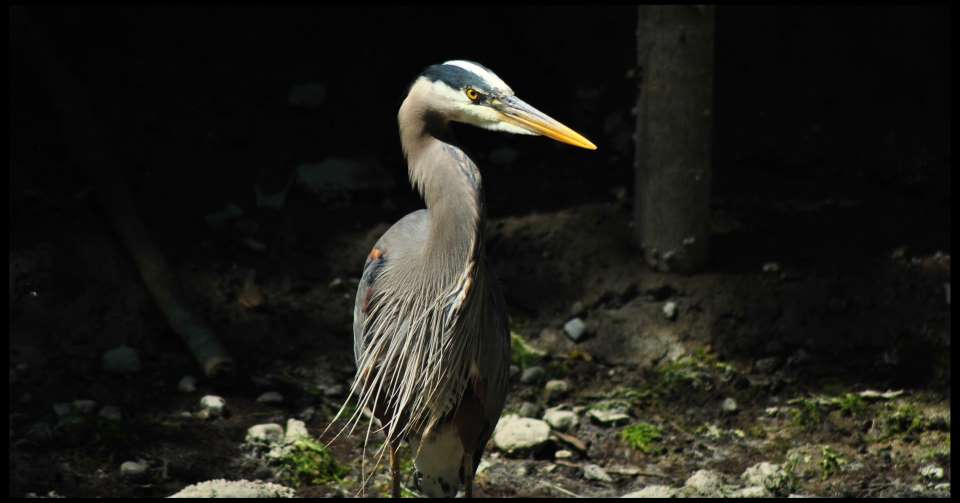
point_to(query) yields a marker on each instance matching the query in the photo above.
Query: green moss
(831, 462)
(311, 463)
(905, 419)
(851, 404)
(522, 354)
(643, 436)
(807, 414)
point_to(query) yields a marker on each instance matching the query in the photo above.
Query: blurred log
(86, 141)
(675, 49)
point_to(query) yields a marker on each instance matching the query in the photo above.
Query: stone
(515, 434)
(187, 384)
(575, 329)
(528, 409)
(767, 475)
(932, 472)
(729, 405)
(234, 489)
(563, 454)
(654, 491)
(594, 472)
(670, 310)
(767, 365)
(555, 388)
(751, 492)
(84, 406)
(608, 416)
(133, 469)
(532, 375)
(296, 430)
(561, 420)
(213, 405)
(771, 267)
(265, 434)
(270, 397)
(111, 412)
(704, 483)
(121, 360)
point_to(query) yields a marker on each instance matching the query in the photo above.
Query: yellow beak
(519, 113)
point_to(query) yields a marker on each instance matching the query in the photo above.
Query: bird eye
(472, 94)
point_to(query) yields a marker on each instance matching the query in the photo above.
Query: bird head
(467, 92)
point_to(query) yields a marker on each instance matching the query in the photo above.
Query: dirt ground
(807, 303)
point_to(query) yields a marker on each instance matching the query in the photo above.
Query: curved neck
(449, 183)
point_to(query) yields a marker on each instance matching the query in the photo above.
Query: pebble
(767, 365)
(213, 405)
(187, 384)
(751, 492)
(654, 491)
(111, 412)
(121, 360)
(563, 454)
(932, 472)
(296, 430)
(269, 433)
(555, 388)
(670, 310)
(133, 469)
(729, 405)
(561, 420)
(234, 489)
(704, 482)
(766, 475)
(62, 409)
(84, 406)
(594, 472)
(608, 417)
(575, 329)
(270, 397)
(528, 409)
(532, 375)
(517, 434)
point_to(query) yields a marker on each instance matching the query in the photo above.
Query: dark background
(809, 101)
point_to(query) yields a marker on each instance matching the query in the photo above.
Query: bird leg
(468, 474)
(395, 468)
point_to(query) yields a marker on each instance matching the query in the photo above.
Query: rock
(307, 413)
(768, 476)
(234, 489)
(577, 309)
(670, 310)
(729, 405)
(771, 267)
(528, 409)
(264, 434)
(213, 405)
(594, 472)
(187, 384)
(532, 375)
(751, 492)
(704, 483)
(270, 397)
(767, 365)
(608, 416)
(62, 409)
(111, 412)
(309, 95)
(84, 406)
(555, 388)
(514, 371)
(575, 329)
(942, 487)
(801, 357)
(932, 472)
(563, 454)
(562, 420)
(133, 469)
(296, 430)
(654, 491)
(515, 434)
(121, 360)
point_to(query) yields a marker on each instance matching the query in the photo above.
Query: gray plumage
(431, 339)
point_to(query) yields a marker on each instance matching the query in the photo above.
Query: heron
(431, 336)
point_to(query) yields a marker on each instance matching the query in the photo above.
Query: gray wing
(402, 239)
